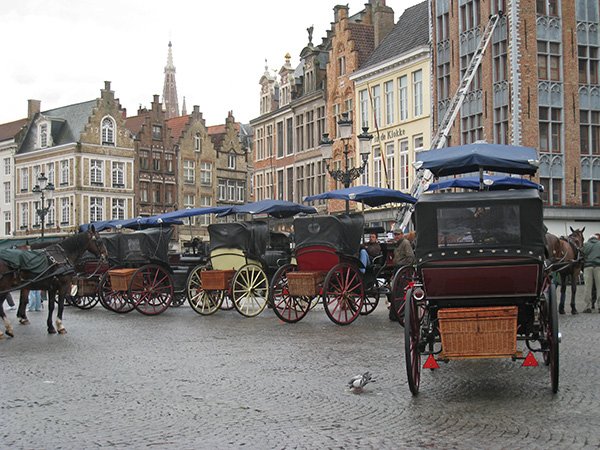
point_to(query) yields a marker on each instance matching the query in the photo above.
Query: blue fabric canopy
(371, 196)
(138, 223)
(495, 183)
(275, 208)
(189, 212)
(473, 157)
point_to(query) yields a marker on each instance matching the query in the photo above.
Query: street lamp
(349, 174)
(40, 189)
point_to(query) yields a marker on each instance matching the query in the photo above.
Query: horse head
(96, 244)
(577, 238)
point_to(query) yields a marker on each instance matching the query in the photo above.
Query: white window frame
(65, 168)
(118, 209)
(390, 160)
(118, 174)
(189, 171)
(389, 102)
(403, 97)
(65, 211)
(24, 179)
(96, 172)
(43, 135)
(231, 160)
(205, 173)
(108, 135)
(417, 79)
(96, 209)
(403, 164)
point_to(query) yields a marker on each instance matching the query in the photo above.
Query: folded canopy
(275, 208)
(139, 223)
(491, 182)
(371, 196)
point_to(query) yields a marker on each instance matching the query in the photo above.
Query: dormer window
(231, 160)
(43, 131)
(108, 131)
(156, 132)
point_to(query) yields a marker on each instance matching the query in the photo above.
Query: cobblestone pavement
(183, 381)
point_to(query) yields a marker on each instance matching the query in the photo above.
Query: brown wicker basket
(487, 332)
(305, 283)
(216, 280)
(119, 278)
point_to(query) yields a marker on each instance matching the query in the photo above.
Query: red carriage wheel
(151, 289)
(402, 278)
(111, 299)
(203, 302)
(343, 294)
(288, 308)
(412, 333)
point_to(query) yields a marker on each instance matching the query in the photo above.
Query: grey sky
(61, 51)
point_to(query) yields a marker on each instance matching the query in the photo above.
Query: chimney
(107, 85)
(33, 108)
(340, 12)
(383, 21)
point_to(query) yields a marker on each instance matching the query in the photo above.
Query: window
(7, 192)
(299, 132)
(144, 192)
(280, 139)
(156, 132)
(310, 180)
(65, 211)
(341, 66)
(364, 108)
(36, 216)
(231, 160)
(24, 179)
(472, 128)
(501, 125)
(349, 109)
(549, 61)
(500, 61)
(260, 144)
(222, 190)
(321, 178)
(43, 131)
(197, 144)
(7, 166)
(50, 173)
(189, 201)
(391, 164)
(108, 131)
(417, 78)
(157, 193)
(96, 175)
(241, 189)
(169, 162)
(443, 77)
(231, 190)
(270, 140)
(206, 173)
(552, 194)
(299, 183)
(205, 201)
(156, 156)
(547, 7)
(24, 215)
(64, 172)
(259, 187)
(169, 197)
(290, 136)
(280, 185)
(144, 160)
(118, 174)
(376, 92)
(403, 97)
(550, 129)
(589, 65)
(377, 167)
(404, 167)
(389, 102)
(469, 15)
(589, 132)
(321, 129)
(118, 209)
(189, 171)
(310, 129)
(7, 223)
(96, 209)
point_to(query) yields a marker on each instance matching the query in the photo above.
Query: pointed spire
(183, 108)
(170, 88)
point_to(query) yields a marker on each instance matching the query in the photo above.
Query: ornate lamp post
(40, 189)
(349, 174)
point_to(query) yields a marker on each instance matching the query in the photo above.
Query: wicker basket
(489, 332)
(87, 287)
(119, 278)
(216, 280)
(305, 283)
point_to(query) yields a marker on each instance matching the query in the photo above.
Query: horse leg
(573, 292)
(59, 315)
(7, 324)
(563, 293)
(22, 311)
(51, 300)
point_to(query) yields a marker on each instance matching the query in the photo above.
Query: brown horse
(566, 260)
(56, 279)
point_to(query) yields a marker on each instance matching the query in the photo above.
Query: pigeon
(358, 382)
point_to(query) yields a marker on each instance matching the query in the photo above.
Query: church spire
(183, 108)
(170, 88)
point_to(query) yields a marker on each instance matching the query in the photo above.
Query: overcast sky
(62, 51)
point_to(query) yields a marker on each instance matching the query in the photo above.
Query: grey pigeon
(358, 382)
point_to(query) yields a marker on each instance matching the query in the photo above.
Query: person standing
(34, 302)
(591, 269)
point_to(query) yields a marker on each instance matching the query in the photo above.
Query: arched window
(108, 131)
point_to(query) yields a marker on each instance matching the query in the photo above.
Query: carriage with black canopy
(481, 287)
(326, 265)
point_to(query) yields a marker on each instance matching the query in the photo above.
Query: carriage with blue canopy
(481, 286)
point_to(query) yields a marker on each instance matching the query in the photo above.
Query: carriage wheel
(203, 302)
(402, 277)
(151, 289)
(85, 301)
(372, 297)
(288, 308)
(552, 338)
(250, 290)
(113, 300)
(343, 294)
(412, 332)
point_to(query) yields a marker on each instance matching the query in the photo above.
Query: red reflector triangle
(530, 361)
(431, 363)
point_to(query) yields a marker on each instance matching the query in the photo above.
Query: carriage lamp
(348, 174)
(44, 190)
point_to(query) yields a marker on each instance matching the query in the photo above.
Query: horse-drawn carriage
(481, 284)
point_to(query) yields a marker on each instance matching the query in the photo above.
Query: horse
(566, 260)
(56, 279)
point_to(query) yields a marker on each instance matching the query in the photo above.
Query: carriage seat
(276, 258)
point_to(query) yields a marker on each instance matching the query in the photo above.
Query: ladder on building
(423, 177)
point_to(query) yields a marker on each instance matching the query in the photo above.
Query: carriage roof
(250, 237)
(139, 247)
(343, 233)
(449, 223)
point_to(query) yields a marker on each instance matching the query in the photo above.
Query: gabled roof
(9, 130)
(177, 125)
(364, 38)
(134, 124)
(217, 133)
(67, 124)
(411, 31)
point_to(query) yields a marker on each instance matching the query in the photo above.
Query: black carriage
(481, 286)
(237, 269)
(326, 265)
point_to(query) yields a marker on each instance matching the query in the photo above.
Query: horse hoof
(574, 311)
(63, 331)
(561, 311)
(24, 321)
(51, 331)
(10, 333)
